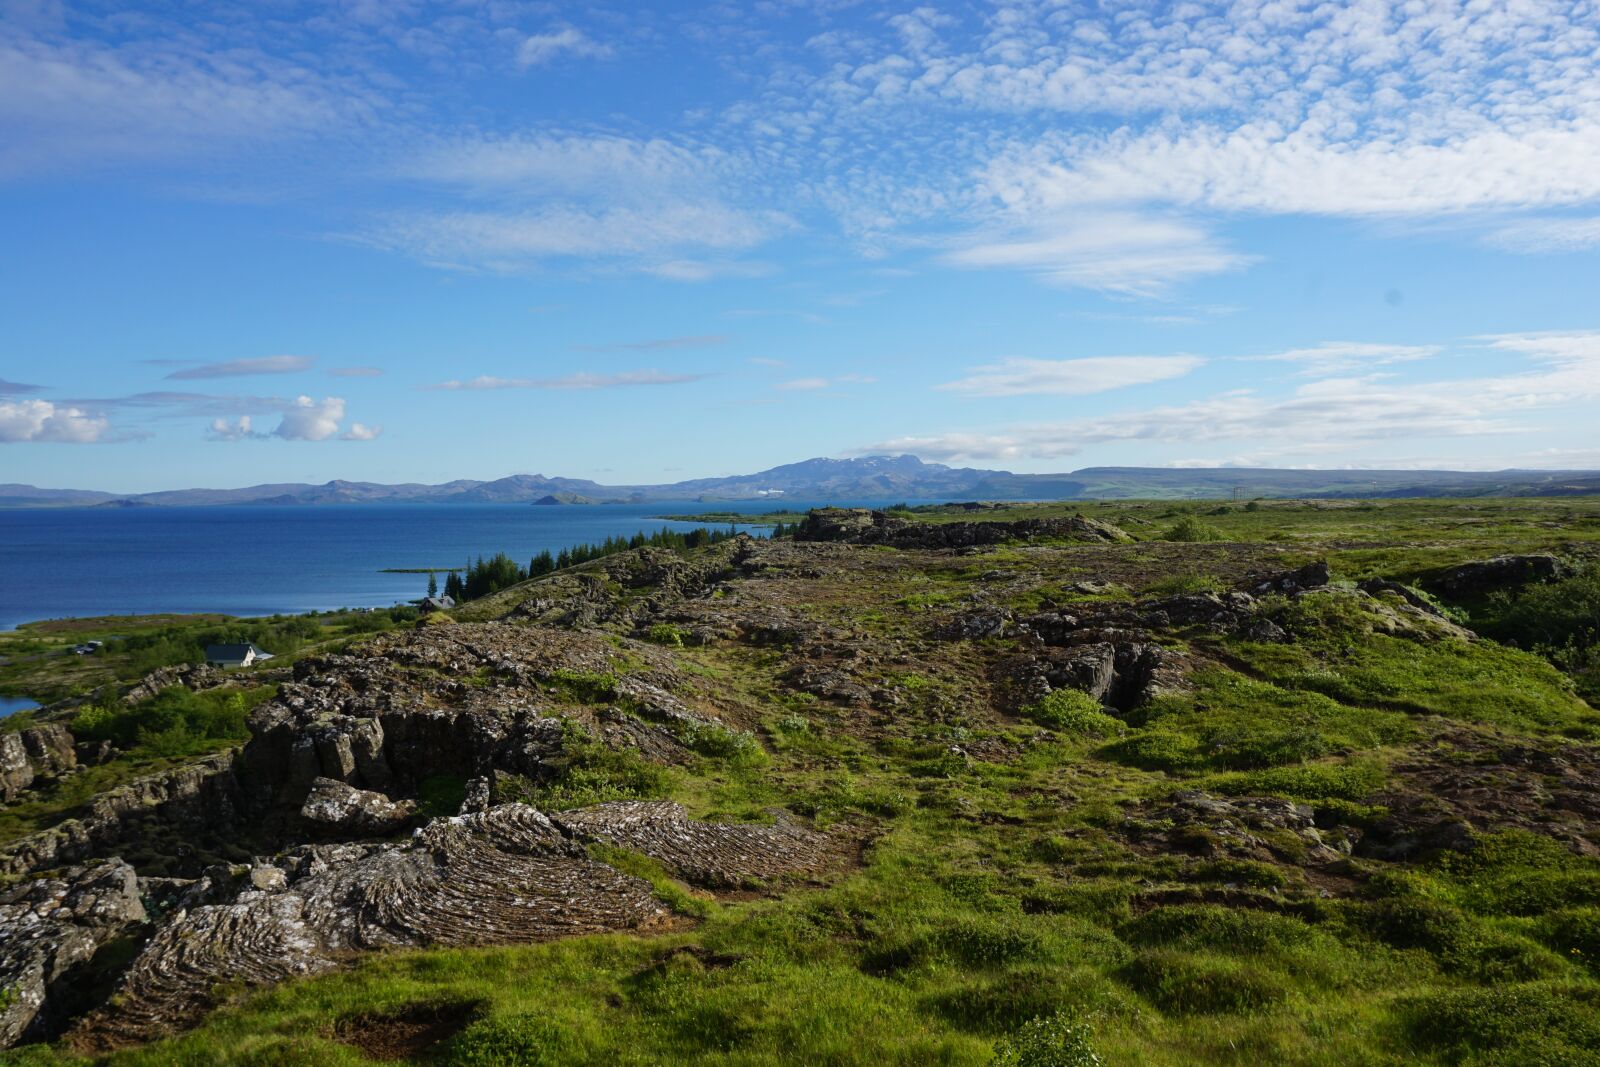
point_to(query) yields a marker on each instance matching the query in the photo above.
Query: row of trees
(484, 576)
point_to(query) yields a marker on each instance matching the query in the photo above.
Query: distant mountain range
(868, 478)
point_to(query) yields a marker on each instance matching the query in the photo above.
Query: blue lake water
(10, 705)
(261, 560)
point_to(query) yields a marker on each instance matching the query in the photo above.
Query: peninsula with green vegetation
(1154, 782)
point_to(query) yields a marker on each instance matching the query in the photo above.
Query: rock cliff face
(43, 751)
(50, 930)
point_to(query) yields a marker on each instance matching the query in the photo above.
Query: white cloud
(311, 420)
(236, 368)
(581, 380)
(543, 47)
(1071, 377)
(1304, 170)
(238, 430)
(650, 238)
(1338, 357)
(1557, 370)
(356, 372)
(1117, 252)
(1535, 236)
(40, 420)
(78, 103)
(802, 384)
(360, 431)
(567, 164)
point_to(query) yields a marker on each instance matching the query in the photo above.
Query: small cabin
(244, 655)
(436, 603)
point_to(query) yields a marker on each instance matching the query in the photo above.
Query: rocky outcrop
(1481, 577)
(1266, 828)
(1313, 575)
(43, 751)
(203, 795)
(507, 875)
(341, 809)
(865, 527)
(50, 930)
(1123, 674)
(712, 854)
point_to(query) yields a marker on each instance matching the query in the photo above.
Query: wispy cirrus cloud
(1540, 236)
(83, 103)
(1117, 252)
(580, 380)
(657, 343)
(1327, 415)
(18, 388)
(356, 372)
(541, 48)
(1338, 357)
(238, 368)
(1071, 377)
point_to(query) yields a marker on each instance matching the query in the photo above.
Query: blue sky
(402, 240)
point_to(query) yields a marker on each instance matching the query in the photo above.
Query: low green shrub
(175, 722)
(664, 633)
(1057, 1041)
(1073, 712)
(1190, 528)
(533, 1040)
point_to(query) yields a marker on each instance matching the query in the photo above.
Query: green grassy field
(1020, 897)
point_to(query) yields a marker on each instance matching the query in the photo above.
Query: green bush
(1190, 528)
(513, 1041)
(1057, 1041)
(174, 722)
(664, 633)
(1073, 712)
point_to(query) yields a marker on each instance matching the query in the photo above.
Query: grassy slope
(1002, 886)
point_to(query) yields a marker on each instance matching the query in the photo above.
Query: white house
(235, 655)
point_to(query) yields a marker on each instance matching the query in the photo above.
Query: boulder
(1482, 577)
(42, 751)
(336, 807)
(1312, 576)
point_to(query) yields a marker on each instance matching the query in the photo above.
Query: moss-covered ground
(1017, 866)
